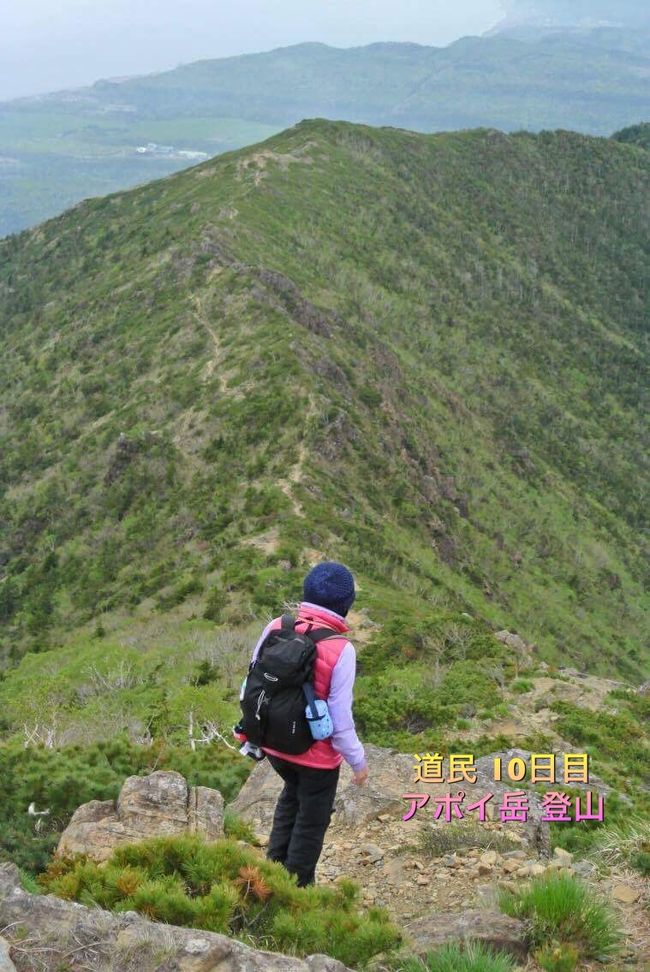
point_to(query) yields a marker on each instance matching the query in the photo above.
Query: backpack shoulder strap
(310, 697)
(322, 634)
(288, 623)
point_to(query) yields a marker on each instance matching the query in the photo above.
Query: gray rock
(371, 852)
(6, 965)
(107, 942)
(514, 641)
(205, 812)
(155, 804)
(490, 928)
(584, 868)
(148, 806)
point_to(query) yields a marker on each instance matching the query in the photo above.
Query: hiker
(305, 805)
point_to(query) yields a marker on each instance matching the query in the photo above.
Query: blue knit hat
(330, 585)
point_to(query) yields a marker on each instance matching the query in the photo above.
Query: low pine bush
(238, 828)
(226, 887)
(564, 911)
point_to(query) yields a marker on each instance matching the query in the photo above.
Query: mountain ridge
(167, 455)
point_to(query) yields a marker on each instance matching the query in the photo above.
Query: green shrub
(235, 827)
(226, 887)
(216, 601)
(437, 636)
(180, 593)
(563, 910)
(29, 882)
(386, 707)
(468, 684)
(370, 396)
(393, 704)
(521, 686)
(206, 673)
(617, 736)
(61, 780)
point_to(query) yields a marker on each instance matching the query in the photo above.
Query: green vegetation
(564, 915)
(617, 740)
(522, 686)
(228, 888)
(144, 680)
(155, 454)
(455, 958)
(58, 781)
(558, 958)
(615, 733)
(60, 148)
(625, 844)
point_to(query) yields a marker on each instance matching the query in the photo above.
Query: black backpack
(273, 702)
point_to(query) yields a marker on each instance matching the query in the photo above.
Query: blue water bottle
(318, 715)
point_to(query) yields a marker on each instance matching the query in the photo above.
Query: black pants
(302, 816)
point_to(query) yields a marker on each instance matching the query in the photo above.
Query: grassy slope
(451, 399)
(62, 147)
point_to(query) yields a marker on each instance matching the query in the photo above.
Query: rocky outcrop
(107, 942)
(515, 642)
(161, 804)
(488, 927)
(296, 305)
(6, 965)
(391, 776)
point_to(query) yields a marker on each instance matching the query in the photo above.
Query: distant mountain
(425, 355)
(59, 148)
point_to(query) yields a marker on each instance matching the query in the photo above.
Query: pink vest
(321, 755)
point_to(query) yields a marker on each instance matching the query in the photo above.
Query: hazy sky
(46, 45)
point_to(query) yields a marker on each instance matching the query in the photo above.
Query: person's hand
(361, 776)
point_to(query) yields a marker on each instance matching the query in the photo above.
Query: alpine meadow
(424, 355)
